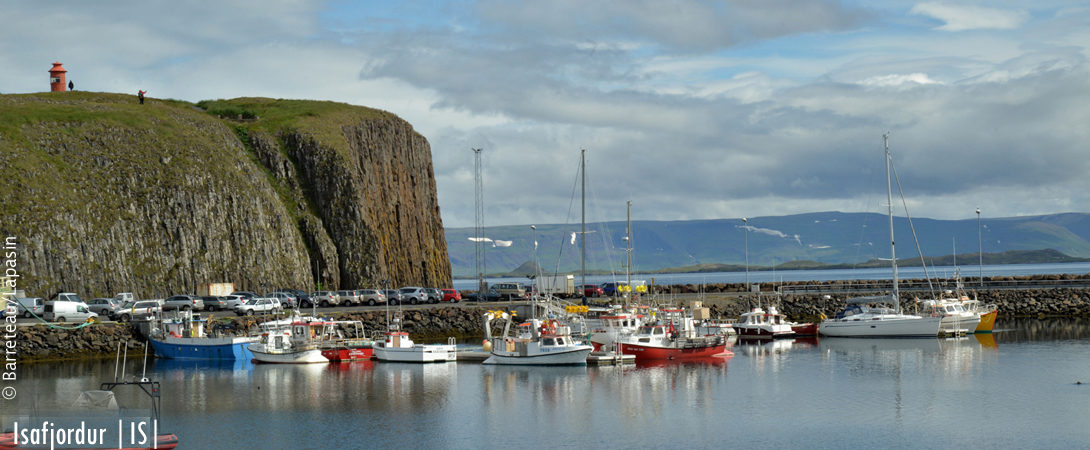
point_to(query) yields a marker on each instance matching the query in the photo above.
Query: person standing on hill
(141, 95)
(71, 87)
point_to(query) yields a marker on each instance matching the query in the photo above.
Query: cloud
(686, 25)
(966, 17)
(898, 80)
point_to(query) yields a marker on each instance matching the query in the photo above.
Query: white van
(61, 311)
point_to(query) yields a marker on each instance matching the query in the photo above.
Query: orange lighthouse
(56, 78)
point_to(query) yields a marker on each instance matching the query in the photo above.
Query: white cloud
(966, 17)
(898, 80)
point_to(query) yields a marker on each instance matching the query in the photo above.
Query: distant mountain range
(805, 240)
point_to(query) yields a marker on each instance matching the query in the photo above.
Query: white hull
(966, 323)
(416, 353)
(888, 325)
(289, 357)
(576, 354)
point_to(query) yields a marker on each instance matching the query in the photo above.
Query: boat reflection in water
(952, 358)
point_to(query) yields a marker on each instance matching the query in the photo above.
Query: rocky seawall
(42, 343)
(104, 195)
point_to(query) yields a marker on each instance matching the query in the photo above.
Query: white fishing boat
(396, 346)
(762, 324)
(539, 342)
(858, 320)
(297, 343)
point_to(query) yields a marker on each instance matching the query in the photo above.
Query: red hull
(165, 442)
(805, 329)
(646, 353)
(348, 354)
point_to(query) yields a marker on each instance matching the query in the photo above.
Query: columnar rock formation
(104, 195)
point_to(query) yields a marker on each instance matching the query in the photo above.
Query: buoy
(487, 346)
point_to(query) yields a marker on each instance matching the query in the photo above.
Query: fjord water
(1013, 389)
(779, 276)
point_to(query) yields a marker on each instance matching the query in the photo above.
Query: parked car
(287, 300)
(434, 295)
(325, 298)
(233, 301)
(64, 311)
(183, 302)
(393, 296)
(371, 297)
(67, 297)
(302, 299)
(510, 291)
(214, 303)
(413, 295)
(245, 294)
(451, 295)
(610, 288)
(25, 306)
(141, 310)
(591, 290)
(348, 298)
(489, 296)
(259, 306)
(103, 306)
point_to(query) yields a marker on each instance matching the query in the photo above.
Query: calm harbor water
(968, 270)
(1013, 389)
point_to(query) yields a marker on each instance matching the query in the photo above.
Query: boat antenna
(144, 376)
(117, 363)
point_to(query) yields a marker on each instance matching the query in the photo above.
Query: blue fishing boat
(184, 337)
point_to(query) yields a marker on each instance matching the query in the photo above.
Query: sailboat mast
(628, 231)
(583, 218)
(889, 204)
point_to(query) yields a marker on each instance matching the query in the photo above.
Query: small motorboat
(539, 342)
(298, 343)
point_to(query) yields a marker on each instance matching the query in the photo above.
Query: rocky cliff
(104, 195)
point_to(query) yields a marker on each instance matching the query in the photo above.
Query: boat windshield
(852, 310)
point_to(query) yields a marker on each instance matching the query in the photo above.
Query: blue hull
(185, 348)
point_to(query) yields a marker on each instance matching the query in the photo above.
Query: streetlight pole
(746, 228)
(980, 242)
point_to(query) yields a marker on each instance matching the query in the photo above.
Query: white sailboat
(858, 320)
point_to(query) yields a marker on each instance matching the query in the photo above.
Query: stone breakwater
(1011, 303)
(42, 343)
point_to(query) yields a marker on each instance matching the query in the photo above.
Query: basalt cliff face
(104, 195)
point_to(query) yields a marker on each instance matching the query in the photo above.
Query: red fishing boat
(337, 348)
(675, 339)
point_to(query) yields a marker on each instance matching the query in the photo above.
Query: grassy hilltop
(106, 195)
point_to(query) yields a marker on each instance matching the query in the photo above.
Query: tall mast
(628, 271)
(889, 201)
(583, 215)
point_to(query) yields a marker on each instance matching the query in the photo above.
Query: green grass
(321, 120)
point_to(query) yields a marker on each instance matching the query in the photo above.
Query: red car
(452, 295)
(593, 290)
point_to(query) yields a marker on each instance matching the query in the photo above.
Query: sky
(688, 109)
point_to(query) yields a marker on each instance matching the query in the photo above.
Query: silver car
(26, 306)
(104, 306)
